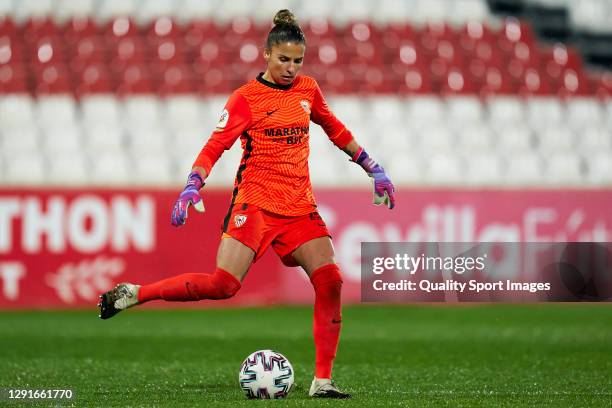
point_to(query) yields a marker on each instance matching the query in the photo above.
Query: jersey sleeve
(322, 116)
(234, 120)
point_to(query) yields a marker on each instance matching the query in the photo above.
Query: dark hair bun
(284, 17)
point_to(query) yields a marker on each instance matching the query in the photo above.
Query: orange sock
(327, 322)
(191, 286)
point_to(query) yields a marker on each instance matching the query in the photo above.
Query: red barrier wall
(63, 248)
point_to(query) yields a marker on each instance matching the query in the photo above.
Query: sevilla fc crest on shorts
(305, 105)
(239, 220)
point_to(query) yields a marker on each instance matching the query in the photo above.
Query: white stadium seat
(543, 111)
(110, 169)
(142, 110)
(67, 169)
(66, 9)
(187, 10)
(25, 169)
(523, 169)
(100, 109)
(475, 138)
(386, 110)
(108, 9)
(594, 139)
(555, 138)
(65, 139)
(443, 169)
(56, 110)
(24, 140)
(515, 139)
(580, 112)
(483, 169)
(16, 111)
(151, 169)
(436, 138)
(105, 138)
(183, 112)
(149, 10)
(464, 110)
(395, 11)
(424, 110)
(146, 139)
(25, 9)
(563, 169)
(405, 168)
(505, 110)
(348, 109)
(599, 169)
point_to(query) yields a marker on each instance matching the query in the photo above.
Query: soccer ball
(266, 374)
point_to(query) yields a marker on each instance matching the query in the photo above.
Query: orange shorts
(258, 229)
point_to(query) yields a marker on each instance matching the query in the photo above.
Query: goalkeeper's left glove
(383, 187)
(189, 196)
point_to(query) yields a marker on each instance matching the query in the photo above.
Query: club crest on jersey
(239, 220)
(305, 105)
(223, 119)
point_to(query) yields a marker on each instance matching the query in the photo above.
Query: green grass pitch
(417, 355)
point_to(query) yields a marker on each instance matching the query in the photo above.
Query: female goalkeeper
(272, 202)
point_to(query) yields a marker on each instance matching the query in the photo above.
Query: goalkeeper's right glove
(189, 196)
(384, 192)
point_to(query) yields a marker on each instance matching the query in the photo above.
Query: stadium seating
(126, 91)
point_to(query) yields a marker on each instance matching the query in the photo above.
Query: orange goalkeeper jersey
(272, 122)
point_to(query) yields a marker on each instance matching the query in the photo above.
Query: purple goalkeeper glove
(383, 187)
(189, 196)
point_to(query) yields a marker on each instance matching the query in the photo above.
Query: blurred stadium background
(493, 118)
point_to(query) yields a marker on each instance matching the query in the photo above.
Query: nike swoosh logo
(271, 112)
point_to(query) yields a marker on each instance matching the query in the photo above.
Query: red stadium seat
(514, 31)
(79, 28)
(474, 33)
(163, 28)
(199, 31)
(13, 79)
(87, 51)
(495, 82)
(433, 33)
(135, 79)
(11, 50)
(215, 81)
(120, 28)
(376, 81)
(317, 30)
(168, 52)
(558, 59)
(8, 27)
(239, 30)
(127, 51)
(601, 84)
(416, 81)
(408, 56)
(574, 84)
(53, 79)
(92, 79)
(40, 27)
(533, 82)
(175, 79)
(49, 50)
(457, 83)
